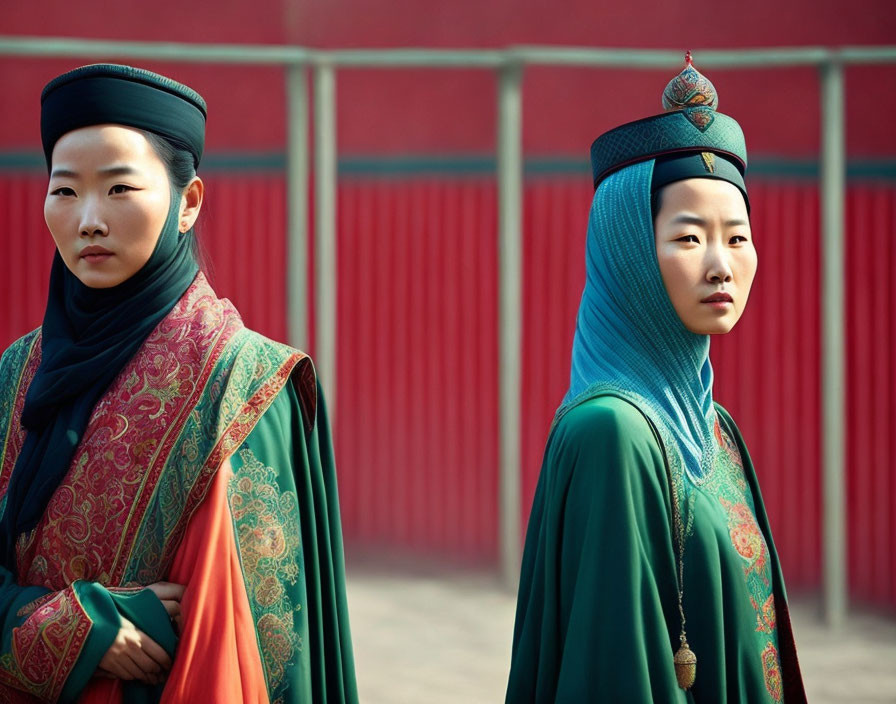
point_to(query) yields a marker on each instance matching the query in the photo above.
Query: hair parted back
(179, 164)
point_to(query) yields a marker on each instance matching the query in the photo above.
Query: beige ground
(438, 636)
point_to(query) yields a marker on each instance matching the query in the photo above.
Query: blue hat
(690, 140)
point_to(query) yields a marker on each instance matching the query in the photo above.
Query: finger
(148, 667)
(179, 622)
(103, 672)
(167, 590)
(154, 651)
(128, 668)
(172, 607)
(112, 661)
(120, 672)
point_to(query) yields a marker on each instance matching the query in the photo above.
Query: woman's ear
(191, 203)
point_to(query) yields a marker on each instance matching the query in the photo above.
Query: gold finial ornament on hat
(690, 89)
(692, 94)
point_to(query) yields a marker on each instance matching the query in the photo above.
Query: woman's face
(705, 250)
(107, 201)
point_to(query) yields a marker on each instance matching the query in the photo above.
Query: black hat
(122, 95)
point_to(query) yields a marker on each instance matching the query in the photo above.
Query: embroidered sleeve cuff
(103, 623)
(105, 608)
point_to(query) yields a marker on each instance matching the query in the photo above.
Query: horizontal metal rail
(412, 58)
(281, 55)
(660, 59)
(61, 47)
(867, 54)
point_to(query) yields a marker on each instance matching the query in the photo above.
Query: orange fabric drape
(217, 659)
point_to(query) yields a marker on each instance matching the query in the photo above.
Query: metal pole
(833, 376)
(298, 294)
(510, 239)
(325, 228)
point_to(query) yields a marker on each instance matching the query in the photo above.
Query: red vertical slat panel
(400, 370)
(417, 449)
(485, 351)
(859, 440)
(881, 403)
(806, 455)
(347, 305)
(25, 265)
(416, 507)
(871, 317)
(242, 230)
(890, 393)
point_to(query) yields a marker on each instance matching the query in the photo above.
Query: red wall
(417, 410)
(871, 427)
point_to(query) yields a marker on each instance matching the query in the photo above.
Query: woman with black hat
(649, 572)
(169, 525)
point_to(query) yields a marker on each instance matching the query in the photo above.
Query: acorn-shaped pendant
(685, 665)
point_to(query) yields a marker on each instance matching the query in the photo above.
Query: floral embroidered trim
(771, 668)
(242, 423)
(266, 525)
(730, 486)
(766, 619)
(22, 358)
(747, 538)
(46, 646)
(32, 606)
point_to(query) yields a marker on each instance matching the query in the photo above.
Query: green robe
(202, 389)
(597, 617)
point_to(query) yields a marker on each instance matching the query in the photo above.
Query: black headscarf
(89, 334)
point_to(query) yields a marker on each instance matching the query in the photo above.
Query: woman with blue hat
(169, 524)
(649, 572)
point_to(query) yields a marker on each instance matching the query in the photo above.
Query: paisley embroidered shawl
(185, 402)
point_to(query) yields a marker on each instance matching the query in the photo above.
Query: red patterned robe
(207, 462)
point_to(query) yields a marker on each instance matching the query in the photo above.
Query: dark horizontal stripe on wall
(477, 165)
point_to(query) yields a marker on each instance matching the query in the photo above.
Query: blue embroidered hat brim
(693, 129)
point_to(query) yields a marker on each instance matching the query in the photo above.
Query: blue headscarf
(629, 340)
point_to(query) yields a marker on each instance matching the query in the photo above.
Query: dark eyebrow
(684, 219)
(688, 220)
(110, 171)
(118, 171)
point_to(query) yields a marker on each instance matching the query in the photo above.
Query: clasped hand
(134, 655)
